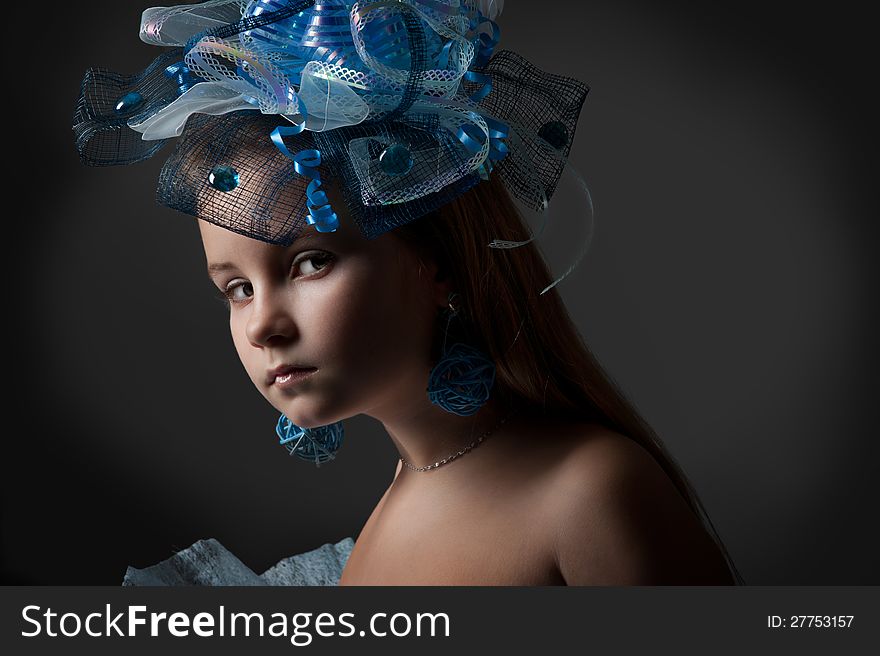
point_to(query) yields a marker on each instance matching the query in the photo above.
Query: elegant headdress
(406, 101)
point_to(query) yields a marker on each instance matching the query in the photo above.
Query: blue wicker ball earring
(462, 379)
(313, 444)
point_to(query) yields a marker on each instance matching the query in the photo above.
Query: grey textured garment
(207, 562)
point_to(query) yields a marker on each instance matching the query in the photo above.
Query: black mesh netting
(108, 101)
(268, 201)
(542, 110)
(419, 133)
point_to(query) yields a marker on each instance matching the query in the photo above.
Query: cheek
(366, 322)
(246, 352)
(375, 323)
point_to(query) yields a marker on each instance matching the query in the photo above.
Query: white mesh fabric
(329, 101)
(433, 168)
(211, 57)
(203, 98)
(173, 26)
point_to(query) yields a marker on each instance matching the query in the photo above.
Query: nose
(270, 319)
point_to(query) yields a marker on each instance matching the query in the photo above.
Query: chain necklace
(462, 451)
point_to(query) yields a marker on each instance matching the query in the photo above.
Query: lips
(285, 370)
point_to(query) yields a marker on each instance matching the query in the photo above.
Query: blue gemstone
(555, 134)
(396, 160)
(223, 177)
(129, 102)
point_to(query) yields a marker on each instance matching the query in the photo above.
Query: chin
(305, 415)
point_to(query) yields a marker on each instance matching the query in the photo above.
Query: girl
(361, 283)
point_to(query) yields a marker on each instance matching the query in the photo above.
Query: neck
(425, 433)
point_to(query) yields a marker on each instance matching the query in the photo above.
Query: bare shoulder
(620, 520)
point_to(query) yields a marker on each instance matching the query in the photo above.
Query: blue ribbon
(305, 162)
(182, 76)
(487, 42)
(473, 138)
(479, 78)
(250, 23)
(485, 48)
(443, 57)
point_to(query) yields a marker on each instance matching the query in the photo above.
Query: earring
(462, 379)
(314, 444)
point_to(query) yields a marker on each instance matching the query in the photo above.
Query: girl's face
(362, 312)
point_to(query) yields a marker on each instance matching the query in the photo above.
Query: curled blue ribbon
(473, 138)
(485, 48)
(443, 56)
(306, 163)
(479, 78)
(182, 76)
(487, 42)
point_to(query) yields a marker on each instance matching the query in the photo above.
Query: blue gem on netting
(223, 178)
(555, 134)
(129, 102)
(375, 148)
(396, 160)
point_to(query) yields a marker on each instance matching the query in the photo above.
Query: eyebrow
(217, 267)
(220, 266)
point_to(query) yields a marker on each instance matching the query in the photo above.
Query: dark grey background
(729, 289)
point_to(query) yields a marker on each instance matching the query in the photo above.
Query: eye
(239, 291)
(235, 291)
(312, 259)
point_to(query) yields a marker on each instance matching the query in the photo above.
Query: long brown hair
(542, 363)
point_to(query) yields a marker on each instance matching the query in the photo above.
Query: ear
(442, 289)
(433, 280)
(439, 280)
